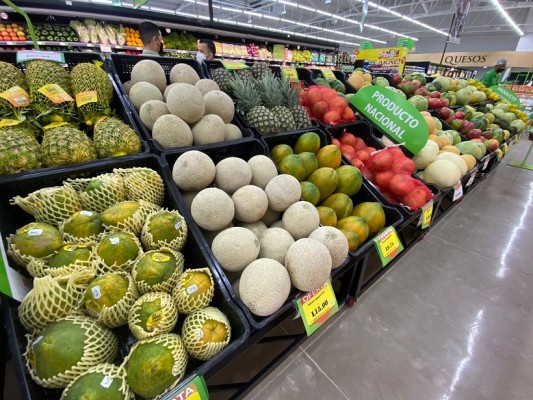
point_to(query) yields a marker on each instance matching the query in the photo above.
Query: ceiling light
(235, 10)
(507, 17)
(327, 1)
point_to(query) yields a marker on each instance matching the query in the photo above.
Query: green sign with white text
(365, 45)
(506, 94)
(395, 116)
(407, 43)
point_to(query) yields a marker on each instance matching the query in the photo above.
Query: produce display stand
(317, 73)
(119, 106)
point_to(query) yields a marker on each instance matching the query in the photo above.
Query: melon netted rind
(191, 333)
(167, 285)
(51, 205)
(179, 353)
(110, 372)
(183, 293)
(117, 314)
(143, 184)
(100, 346)
(112, 191)
(53, 298)
(135, 222)
(39, 268)
(102, 268)
(177, 244)
(89, 241)
(169, 315)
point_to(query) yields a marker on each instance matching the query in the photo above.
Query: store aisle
(452, 320)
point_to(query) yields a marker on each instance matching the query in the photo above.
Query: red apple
(396, 78)
(467, 127)
(445, 113)
(435, 94)
(444, 102)
(491, 144)
(460, 115)
(433, 102)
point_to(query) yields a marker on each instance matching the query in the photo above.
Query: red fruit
(359, 144)
(371, 149)
(303, 97)
(348, 150)
(313, 97)
(415, 199)
(337, 104)
(362, 155)
(348, 114)
(396, 152)
(420, 185)
(401, 185)
(403, 166)
(366, 172)
(330, 95)
(336, 142)
(389, 197)
(381, 161)
(331, 118)
(348, 138)
(356, 162)
(320, 109)
(383, 179)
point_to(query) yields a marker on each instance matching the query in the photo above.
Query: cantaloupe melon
(283, 191)
(212, 209)
(127, 86)
(209, 236)
(165, 93)
(235, 248)
(149, 71)
(456, 159)
(271, 216)
(193, 171)
(443, 173)
(219, 103)
(357, 81)
(250, 202)
(186, 102)
(335, 241)
(263, 170)
(183, 73)
(300, 219)
(264, 286)
(232, 173)
(206, 85)
(275, 243)
(210, 129)
(171, 131)
(309, 264)
(141, 92)
(151, 111)
(257, 227)
(232, 132)
(277, 224)
(451, 149)
(426, 155)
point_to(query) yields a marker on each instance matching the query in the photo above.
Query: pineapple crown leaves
(271, 90)
(98, 63)
(245, 94)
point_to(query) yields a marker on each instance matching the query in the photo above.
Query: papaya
(309, 141)
(350, 180)
(353, 240)
(341, 204)
(279, 152)
(329, 156)
(293, 165)
(372, 212)
(327, 216)
(325, 179)
(356, 225)
(310, 193)
(310, 162)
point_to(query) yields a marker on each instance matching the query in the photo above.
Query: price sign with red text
(427, 213)
(457, 191)
(388, 245)
(317, 307)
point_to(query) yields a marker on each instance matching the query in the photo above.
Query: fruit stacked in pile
(301, 55)
(12, 32)
(331, 187)
(133, 37)
(326, 105)
(268, 104)
(253, 50)
(105, 254)
(257, 227)
(43, 111)
(188, 111)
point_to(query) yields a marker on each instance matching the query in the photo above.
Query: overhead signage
(365, 46)
(395, 116)
(476, 58)
(506, 94)
(407, 43)
(383, 59)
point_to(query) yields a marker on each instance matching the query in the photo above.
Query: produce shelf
(13, 217)
(118, 105)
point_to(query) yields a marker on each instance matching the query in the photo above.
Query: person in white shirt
(151, 37)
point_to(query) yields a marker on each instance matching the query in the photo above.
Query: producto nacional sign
(476, 59)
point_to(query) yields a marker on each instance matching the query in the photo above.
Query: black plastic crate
(13, 217)
(118, 105)
(364, 131)
(317, 73)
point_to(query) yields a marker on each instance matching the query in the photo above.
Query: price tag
(328, 74)
(10, 43)
(9, 122)
(28, 55)
(194, 389)
(516, 138)
(505, 148)
(291, 74)
(55, 93)
(16, 96)
(485, 163)
(83, 98)
(233, 65)
(427, 213)
(317, 307)
(105, 48)
(388, 245)
(457, 191)
(118, 47)
(472, 177)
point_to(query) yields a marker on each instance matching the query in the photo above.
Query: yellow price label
(389, 243)
(505, 148)
(83, 98)
(54, 125)
(328, 74)
(317, 307)
(291, 74)
(9, 122)
(427, 213)
(17, 96)
(195, 390)
(55, 93)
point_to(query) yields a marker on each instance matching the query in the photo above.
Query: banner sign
(383, 60)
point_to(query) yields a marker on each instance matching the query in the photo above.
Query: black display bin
(118, 105)
(13, 217)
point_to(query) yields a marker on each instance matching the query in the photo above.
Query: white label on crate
(86, 213)
(96, 292)
(105, 48)
(472, 177)
(486, 163)
(191, 289)
(37, 340)
(106, 382)
(35, 232)
(114, 240)
(457, 191)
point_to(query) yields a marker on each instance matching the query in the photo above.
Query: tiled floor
(452, 320)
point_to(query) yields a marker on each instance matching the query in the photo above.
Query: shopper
(492, 77)
(206, 50)
(151, 38)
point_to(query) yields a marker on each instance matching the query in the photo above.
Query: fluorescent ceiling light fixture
(507, 17)
(235, 10)
(324, 13)
(306, 8)
(288, 3)
(252, 13)
(162, 10)
(270, 17)
(102, 1)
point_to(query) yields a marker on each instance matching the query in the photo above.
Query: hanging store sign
(395, 116)
(291, 74)
(317, 307)
(506, 94)
(383, 60)
(407, 43)
(365, 46)
(476, 59)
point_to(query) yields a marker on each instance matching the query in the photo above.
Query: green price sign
(328, 74)
(506, 94)
(395, 116)
(194, 389)
(388, 245)
(317, 307)
(233, 65)
(407, 43)
(365, 46)
(291, 74)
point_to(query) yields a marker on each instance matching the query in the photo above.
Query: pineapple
(245, 74)
(113, 138)
(291, 101)
(258, 69)
(222, 77)
(66, 145)
(89, 77)
(40, 73)
(248, 102)
(10, 77)
(19, 150)
(271, 89)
